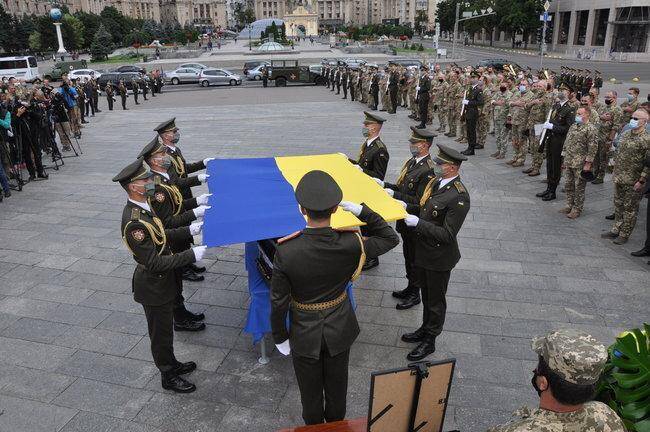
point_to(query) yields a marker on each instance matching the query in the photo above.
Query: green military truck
(284, 71)
(63, 67)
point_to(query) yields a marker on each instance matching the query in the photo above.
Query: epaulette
(135, 214)
(289, 237)
(157, 179)
(430, 163)
(380, 143)
(459, 187)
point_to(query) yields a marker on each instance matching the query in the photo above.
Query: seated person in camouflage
(569, 366)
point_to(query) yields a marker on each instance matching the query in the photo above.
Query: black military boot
(426, 347)
(196, 269)
(191, 316)
(543, 194)
(184, 368)
(371, 263)
(171, 381)
(550, 196)
(189, 326)
(402, 294)
(416, 336)
(189, 275)
(409, 302)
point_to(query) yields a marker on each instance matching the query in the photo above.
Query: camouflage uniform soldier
(630, 174)
(383, 92)
(442, 93)
(501, 103)
(433, 98)
(484, 116)
(538, 112)
(403, 88)
(569, 366)
(462, 138)
(579, 151)
(520, 132)
(611, 120)
(631, 104)
(454, 98)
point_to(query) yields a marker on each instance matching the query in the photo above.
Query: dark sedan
(130, 68)
(497, 64)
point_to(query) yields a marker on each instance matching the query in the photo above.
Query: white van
(20, 68)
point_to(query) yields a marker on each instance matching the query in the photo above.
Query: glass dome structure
(258, 27)
(271, 46)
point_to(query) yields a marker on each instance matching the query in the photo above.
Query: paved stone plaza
(73, 347)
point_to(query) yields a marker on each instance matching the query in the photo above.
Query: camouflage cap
(575, 356)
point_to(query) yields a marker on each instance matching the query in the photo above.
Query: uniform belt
(320, 306)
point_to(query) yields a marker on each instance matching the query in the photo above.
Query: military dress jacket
(442, 212)
(562, 117)
(373, 159)
(316, 267)
(630, 159)
(423, 95)
(412, 180)
(169, 205)
(154, 279)
(475, 102)
(179, 171)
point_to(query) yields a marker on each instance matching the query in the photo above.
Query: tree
(90, 23)
(46, 30)
(137, 38)
(6, 33)
(243, 15)
(102, 44)
(73, 32)
(446, 14)
(421, 20)
(35, 41)
(520, 16)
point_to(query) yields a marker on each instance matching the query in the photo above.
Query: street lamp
(250, 43)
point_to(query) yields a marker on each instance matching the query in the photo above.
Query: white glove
(203, 177)
(548, 125)
(199, 252)
(196, 227)
(379, 182)
(359, 168)
(390, 192)
(203, 199)
(411, 220)
(465, 101)
(206, 160)
(417, 88)
(353, 208)
(284, 347)
(402, 203)
(200, 211)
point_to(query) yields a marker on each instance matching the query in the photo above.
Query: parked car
(253, 64)
(130, 68)
(62, 67)
(353, 63)
(193, 66)
(255, 74)
(183, 75)
(316, 68)
(218, 76)
(498, 64)
(84, 74)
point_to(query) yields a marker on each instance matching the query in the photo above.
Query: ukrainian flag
(253, 199)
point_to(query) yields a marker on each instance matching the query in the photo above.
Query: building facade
(333, 13)
(603, 27)
(194, 12)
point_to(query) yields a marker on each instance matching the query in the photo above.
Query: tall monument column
(55, 14)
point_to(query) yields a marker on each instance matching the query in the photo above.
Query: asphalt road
(622, 71)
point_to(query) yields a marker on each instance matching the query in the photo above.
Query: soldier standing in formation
(110, 92)
(562, 117)
(501, 104)
(121, 88)
(422, 96)
(611, 119)
(136, 89)
(630, 177)
(393, 88)
(569, 366)
(473, 102)
(154, 279)
(435, 218)
(579, 152)
(323, 323)
(413, 178)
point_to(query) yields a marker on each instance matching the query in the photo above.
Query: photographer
(25, 125)
(5, 125)
(61, 120)
(69, 94)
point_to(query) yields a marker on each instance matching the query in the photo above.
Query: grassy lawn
(119, 59)
(410, 51)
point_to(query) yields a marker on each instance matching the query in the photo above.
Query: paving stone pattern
(73, 344)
